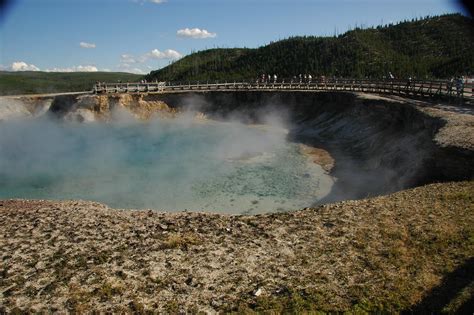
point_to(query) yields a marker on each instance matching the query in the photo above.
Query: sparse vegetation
(107, 290)
(178, 240)
(409, 251)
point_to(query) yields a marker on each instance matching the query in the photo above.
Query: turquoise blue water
(169, 165)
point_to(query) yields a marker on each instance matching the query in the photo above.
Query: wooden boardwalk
(416, 88)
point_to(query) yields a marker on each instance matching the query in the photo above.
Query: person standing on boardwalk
(450, 86)
(459, 86)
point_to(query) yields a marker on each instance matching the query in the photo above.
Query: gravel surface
(390, 250)
(458, 130)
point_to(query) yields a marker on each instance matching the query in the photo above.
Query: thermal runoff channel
(165, 164)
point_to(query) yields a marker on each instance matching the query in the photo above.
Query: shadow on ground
(453, 290)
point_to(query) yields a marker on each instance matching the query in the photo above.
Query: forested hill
(439, 47)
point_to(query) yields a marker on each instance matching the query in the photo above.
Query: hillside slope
(36, 82)
(440, 46)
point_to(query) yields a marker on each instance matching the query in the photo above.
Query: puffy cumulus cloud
(154, 54)
(167, 54)
(23, 66)
(74, 69)
(136, 64)
(87, 69)
(86, 45)
(195, 33)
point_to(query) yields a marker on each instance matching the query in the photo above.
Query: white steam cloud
(181, 164)
(195, 33)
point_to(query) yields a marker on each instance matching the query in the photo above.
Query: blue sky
(143, 35)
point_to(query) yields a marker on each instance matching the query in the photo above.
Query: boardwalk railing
(418, 88)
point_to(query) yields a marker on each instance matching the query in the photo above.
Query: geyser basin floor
(78, 257)
(169, 165)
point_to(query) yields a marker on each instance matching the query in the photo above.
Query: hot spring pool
(169, 165)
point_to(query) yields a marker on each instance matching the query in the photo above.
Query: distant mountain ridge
(37, 82)
(433, 47)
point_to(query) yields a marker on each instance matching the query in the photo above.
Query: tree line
(432, 47)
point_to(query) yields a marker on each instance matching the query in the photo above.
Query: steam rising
(168, 164)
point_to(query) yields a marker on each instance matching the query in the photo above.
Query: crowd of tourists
(301, 78)
(454, 84)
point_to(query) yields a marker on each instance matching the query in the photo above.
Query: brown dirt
(140, 108)
(319, 156)
(383, 253)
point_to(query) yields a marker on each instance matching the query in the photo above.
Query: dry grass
(177, 240)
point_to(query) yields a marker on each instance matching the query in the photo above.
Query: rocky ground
(389, 253)
(459, 128)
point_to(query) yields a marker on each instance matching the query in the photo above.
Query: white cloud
(126, 58)
(141, 2)
(137, 71)
(129, 63)
(86, 45)
(125, 67)
(74, 69)
(195, 33)
(87, 69)
(23, 66)
(167, 54)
